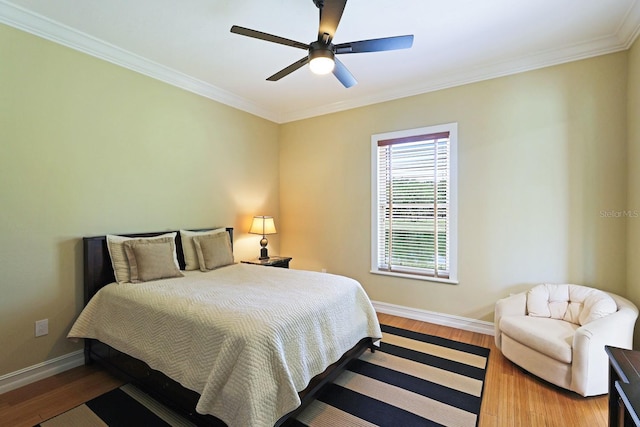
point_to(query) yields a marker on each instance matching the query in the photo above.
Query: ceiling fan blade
(342, 74)
(267, 37)
(288, 70)
(330, 14)
(375, 45)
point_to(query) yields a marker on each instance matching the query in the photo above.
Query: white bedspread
(246, 337)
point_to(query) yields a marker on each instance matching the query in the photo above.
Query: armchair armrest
(590, 361)
(514, 305)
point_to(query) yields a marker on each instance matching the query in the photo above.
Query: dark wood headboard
(98, 270)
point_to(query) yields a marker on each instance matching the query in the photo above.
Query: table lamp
(263, 225)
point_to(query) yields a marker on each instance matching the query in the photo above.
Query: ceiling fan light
(322, 65)
(321, 58)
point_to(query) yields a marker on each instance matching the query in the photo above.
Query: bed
(275, 336)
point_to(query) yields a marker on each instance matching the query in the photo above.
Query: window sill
(414, 277)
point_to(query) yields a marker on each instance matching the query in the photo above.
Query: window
(414, 231)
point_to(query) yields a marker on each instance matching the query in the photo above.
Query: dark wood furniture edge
(624, 380)
(274, 261)
(617, 361)
(98, 272)
(630, 396)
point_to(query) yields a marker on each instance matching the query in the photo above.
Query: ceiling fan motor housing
(321, 50)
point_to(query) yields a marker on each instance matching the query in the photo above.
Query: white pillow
(572, 303)
(597, 305)
(548, 300)
(189, 249)
(119, 260)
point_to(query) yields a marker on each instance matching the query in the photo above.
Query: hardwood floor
(512, 397)
(37, 402)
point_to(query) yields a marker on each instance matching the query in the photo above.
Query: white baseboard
(473, 325)
(42, 370)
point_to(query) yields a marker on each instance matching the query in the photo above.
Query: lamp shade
(262, 225)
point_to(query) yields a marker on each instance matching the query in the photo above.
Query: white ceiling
(188, 43)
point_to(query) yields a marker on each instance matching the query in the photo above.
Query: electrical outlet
(42, 327)
(324, 270)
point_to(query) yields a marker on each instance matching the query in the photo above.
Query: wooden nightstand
(274, 261)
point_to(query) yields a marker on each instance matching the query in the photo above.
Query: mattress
(247, 338)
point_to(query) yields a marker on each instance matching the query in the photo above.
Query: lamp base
(264, 254)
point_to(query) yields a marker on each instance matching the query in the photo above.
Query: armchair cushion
(571, 303)
(552, 337)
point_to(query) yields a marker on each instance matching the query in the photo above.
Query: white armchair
(558, 333)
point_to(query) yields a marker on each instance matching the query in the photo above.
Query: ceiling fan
(321, 53)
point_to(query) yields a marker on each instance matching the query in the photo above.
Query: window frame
(452, 129)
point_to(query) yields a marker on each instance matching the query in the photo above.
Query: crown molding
(629, 29)
(56, 32)
(621, 40)
(36, 24)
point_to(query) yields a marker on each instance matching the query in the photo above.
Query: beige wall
(633, 165)
(90, 148)
(541, 155)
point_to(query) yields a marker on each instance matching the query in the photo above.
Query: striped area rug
(126, 406)
(413, 379)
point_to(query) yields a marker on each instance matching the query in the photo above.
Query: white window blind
(413, 202)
